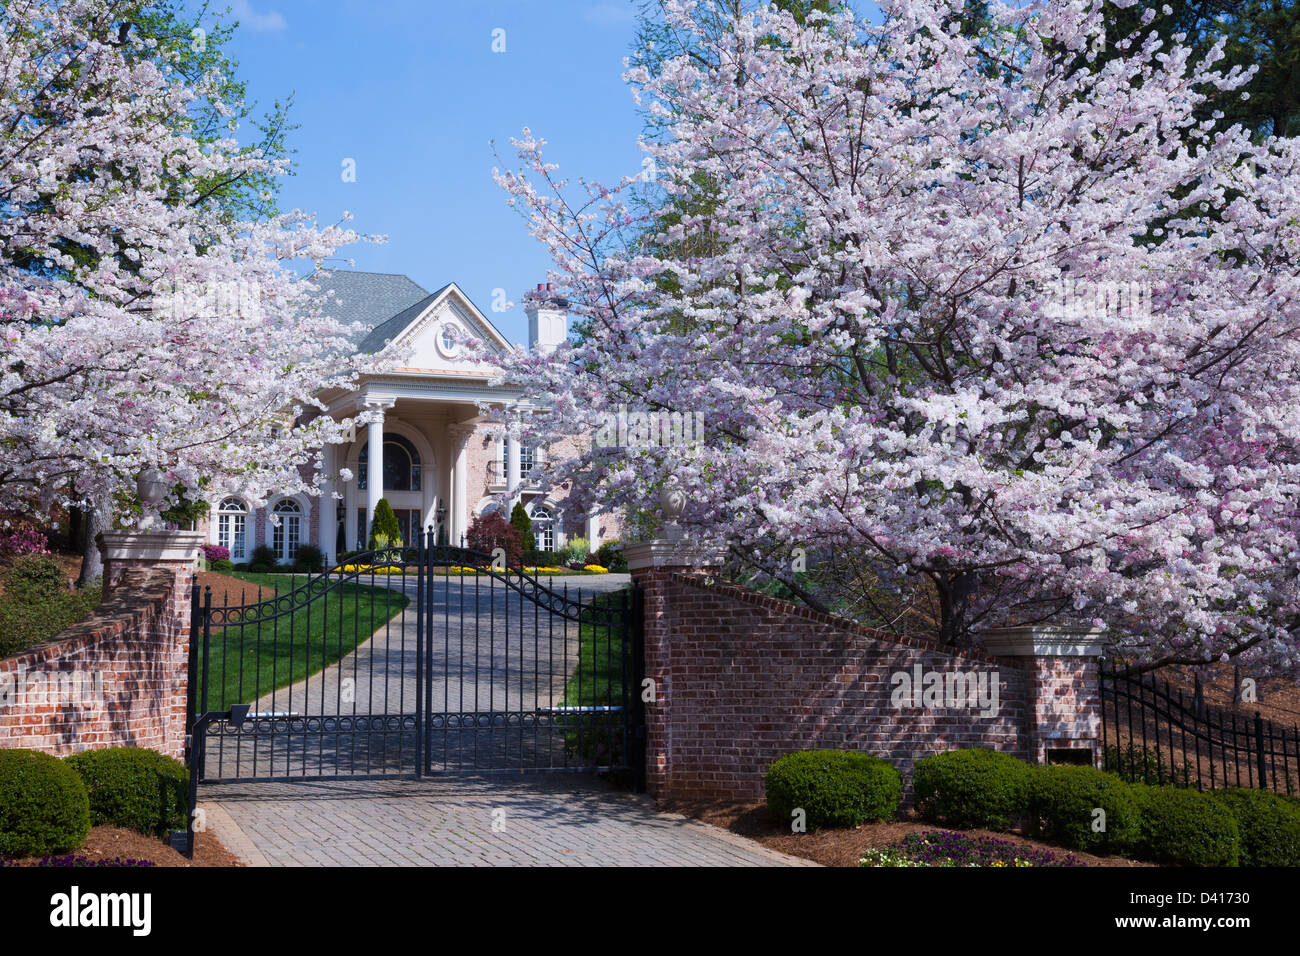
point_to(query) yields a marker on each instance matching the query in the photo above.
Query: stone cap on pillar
(665, 553)
(1045, 640)
(158, 546)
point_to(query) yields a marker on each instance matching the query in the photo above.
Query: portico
(440, 442)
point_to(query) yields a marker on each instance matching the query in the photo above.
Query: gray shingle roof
(384, 331)
(375, 299)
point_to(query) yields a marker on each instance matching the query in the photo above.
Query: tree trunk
(955, 592)
(97, 519)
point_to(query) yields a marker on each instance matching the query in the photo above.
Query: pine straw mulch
(107, 843)
(844, 847)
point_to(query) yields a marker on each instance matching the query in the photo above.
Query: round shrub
(972, 788)
(834, 788)
(1188, 828)
(1268, 825)
(43, 805)
(1063, 802)
(134, 788)
(222, 566)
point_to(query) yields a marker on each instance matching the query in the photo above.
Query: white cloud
(269, 22)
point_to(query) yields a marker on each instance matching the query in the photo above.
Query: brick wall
(118, 678)
(743, 679)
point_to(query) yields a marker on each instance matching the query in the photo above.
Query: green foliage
(1268, 826)
(222, 566)
(1143, 765)
(263, 559)
(835, 788)
(577, 549)
(1063, 801)
(523, 524)
(35, 577)
(972, 788)
(610, 556)
(1187, 828)
(135, 788)
(384, 529)
(37, 604)
(44, 807)
(310, 558)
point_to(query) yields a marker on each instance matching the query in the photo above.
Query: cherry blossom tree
(142, 328)
(978, 307)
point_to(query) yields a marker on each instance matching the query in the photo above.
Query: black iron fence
(1153, 733)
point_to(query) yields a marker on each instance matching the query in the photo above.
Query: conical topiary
(520, 521)
(384, 530)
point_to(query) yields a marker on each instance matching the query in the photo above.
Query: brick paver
(544, 820)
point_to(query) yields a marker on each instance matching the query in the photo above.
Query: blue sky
(413, 92)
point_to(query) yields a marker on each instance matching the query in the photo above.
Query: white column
(512, 468)
(374, 473)
(593, 529)
(350, 515)
(327, 507)
(458, 508)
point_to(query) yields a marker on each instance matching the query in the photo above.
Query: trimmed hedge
(1063, 801)
(44, 807)
(135, 788)
(972, 788)
(834, 788)
(1268, 826)
(1187, 828)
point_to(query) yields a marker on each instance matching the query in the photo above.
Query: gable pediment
(435, 338)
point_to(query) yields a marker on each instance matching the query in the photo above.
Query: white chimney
(548, 322)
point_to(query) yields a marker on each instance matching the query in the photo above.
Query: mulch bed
(108, 843)
(232, 591)
(843, 847)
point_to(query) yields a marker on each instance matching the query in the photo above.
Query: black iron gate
(414, 661)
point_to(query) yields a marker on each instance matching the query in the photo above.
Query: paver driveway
(543, 820)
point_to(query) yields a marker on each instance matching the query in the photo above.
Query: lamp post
(151, 486)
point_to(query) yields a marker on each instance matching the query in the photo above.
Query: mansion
(431, 452)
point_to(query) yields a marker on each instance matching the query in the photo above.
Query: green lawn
(249, 660)
(598, 682)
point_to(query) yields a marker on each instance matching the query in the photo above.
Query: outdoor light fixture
(151, 486)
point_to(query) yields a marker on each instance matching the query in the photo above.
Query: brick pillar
(652, 564)
(175, 554)
(1063, 712)
(174, 551)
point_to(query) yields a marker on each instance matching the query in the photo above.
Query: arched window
(288, 531)
(232, 528)
(543, 528)
(401, 464)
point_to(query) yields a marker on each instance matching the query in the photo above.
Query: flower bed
(947, 849)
